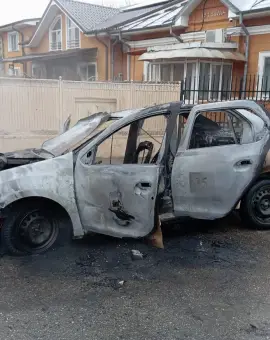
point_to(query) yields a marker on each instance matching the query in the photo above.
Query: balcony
(55, 46)
(73, 44)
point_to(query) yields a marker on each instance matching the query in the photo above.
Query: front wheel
(255, 206)
(30, 229)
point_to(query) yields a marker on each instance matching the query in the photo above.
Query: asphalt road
(206, 284)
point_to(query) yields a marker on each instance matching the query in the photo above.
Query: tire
(33, 228)
(255, 206)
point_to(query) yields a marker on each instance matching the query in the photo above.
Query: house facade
(70, 42)
(212, 45)
(11, 38)
(205, 43)
(59, 46)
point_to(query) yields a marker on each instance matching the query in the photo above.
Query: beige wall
(34, 110)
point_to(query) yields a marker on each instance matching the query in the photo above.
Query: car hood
(27, 154)
(67, 140)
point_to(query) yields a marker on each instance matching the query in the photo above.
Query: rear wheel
(31, 229)
(255, 207)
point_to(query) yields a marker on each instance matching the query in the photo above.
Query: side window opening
(137, 143)
(219, 128)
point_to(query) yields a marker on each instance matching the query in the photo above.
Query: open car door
(221, 152)
(117, 178)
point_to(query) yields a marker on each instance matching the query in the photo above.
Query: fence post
(60, 89)
(131, 94)
(182, 93)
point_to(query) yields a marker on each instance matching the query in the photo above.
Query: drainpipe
(174, 35)
(247, 50)
(128, 55)
(106, 56)
(112, 55)
(22, 45)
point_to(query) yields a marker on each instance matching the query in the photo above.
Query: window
(1, 48)
(219, 128)
(17, 72)
(167, 72)
(39, 71)
(13, 41)
(202, 80)
(73, 35)
(178, 71)
(56, 35)
(266, 75)
(137, 143)
(14, 71)
(87, 71)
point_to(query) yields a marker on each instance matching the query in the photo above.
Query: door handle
(244, 162)
(144, 185)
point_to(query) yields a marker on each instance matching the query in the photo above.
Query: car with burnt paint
(118, 173)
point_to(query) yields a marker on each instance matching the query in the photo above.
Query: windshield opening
(92, 135)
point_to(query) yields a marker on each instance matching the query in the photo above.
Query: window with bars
(73, 35)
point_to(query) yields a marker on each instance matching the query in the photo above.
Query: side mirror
(89, 157)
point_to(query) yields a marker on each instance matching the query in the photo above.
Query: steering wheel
(143, 146)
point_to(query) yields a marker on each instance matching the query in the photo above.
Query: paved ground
(205, 285)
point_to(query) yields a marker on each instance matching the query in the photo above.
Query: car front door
(220, 154)
(117, 179)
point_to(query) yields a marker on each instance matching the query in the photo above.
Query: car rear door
(219, 155)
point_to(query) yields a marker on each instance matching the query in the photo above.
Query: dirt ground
(210, 282)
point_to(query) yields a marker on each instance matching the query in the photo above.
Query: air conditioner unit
(215, 36)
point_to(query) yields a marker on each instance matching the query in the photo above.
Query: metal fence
(211, 88)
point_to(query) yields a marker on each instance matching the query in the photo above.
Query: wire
(256, 3)
(151, 136)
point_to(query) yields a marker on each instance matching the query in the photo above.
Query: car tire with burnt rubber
(255, 206)
(33, 228)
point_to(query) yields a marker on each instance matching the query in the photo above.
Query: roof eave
(18, 23)
(257, 10)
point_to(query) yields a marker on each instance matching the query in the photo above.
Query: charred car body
(209, 158)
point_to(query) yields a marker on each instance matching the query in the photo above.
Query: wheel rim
(35, 232)
(261, 204)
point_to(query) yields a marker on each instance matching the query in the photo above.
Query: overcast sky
(14, 10)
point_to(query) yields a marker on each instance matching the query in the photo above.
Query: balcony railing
(56, 46)
(73, 43)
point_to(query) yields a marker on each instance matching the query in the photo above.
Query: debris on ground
(136, 255)
(156, 238)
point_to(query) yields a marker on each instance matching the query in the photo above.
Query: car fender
(51, 179)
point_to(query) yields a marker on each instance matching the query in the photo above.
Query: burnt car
(171, 161)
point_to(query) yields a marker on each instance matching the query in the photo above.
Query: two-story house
(59, 46)
(205, 41)
(73, 40)
(11, 38)
(215, 46)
